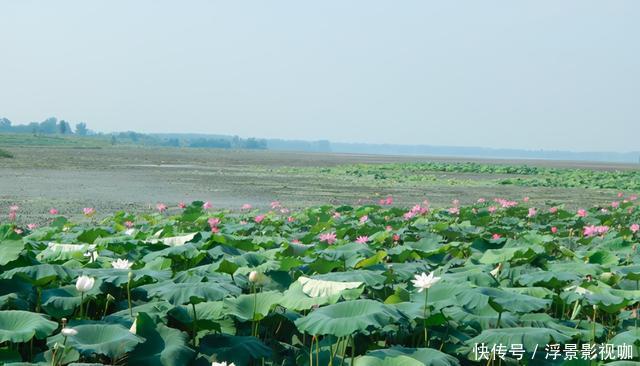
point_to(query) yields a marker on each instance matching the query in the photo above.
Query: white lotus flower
(224, 363)
(121, 264)
(496, 271)
(85, 283)
(68, 332)
(424, 281)
(134, 326)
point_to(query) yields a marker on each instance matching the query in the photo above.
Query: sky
(561, 75)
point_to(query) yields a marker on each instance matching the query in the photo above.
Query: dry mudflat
(136, 178)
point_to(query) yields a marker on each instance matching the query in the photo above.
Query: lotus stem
(353, 348)
(129, 296)
(593, 336)
(344, 350)
(254, 325)
(311, 352)
(499, 318)
(106, 306)
(81, 305)
(426, 338)
(195, 325)
(317, 351)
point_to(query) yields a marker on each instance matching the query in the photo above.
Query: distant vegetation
(52, 126)
(5, 154)
(518, 175)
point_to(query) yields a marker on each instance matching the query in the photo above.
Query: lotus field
(495, 282)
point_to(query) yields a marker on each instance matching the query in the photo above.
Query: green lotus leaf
(424, 356)
(39, 274)
(192, 292)
(530, 338)
(481, 318)
(157, 310)
(370, 278)
(237, 349)
(111, 340)
(19, 326)
(10, 250)
(56, 252)
(162, 346)
(348, 317)
(400, 360)
(120, 277)
(319, 288)
(60, 302)
(295, 299)
(253, 306)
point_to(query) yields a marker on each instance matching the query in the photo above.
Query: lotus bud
(258, 278)
(608, 278)
(85, 283)
(134, 326)
(69, 332)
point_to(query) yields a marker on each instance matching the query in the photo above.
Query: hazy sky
(520, 74)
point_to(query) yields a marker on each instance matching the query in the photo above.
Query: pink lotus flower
(213, 222)
(330, 238)
(17, 231)
(53, 211)
(554, 230)
(12, 216)
(592, 230)
(492, 209)
(620, 194)
(128, 224)
(388, 201)
(526, 199)
(207, 205)
(409, 215)
(582, 212)
(14, 208)
(32, 226)
(532, 212)
(243, 222)
(246, 207)
(291, 219)
(336, 215)
(634, 228)
(615, 204)
(496, 236)
(362, 239)
(455, 202)
(258, 219)
(295, 241)
(633, 197)
(481, 200)
(275, 204)
(161, 207)
(454, 210)
(553, 210)
(506, 203)
(364, 219)
(588, 231)
(396, 237)
(89, 211)
(182, 205)
(388, 228)
(215, 229)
